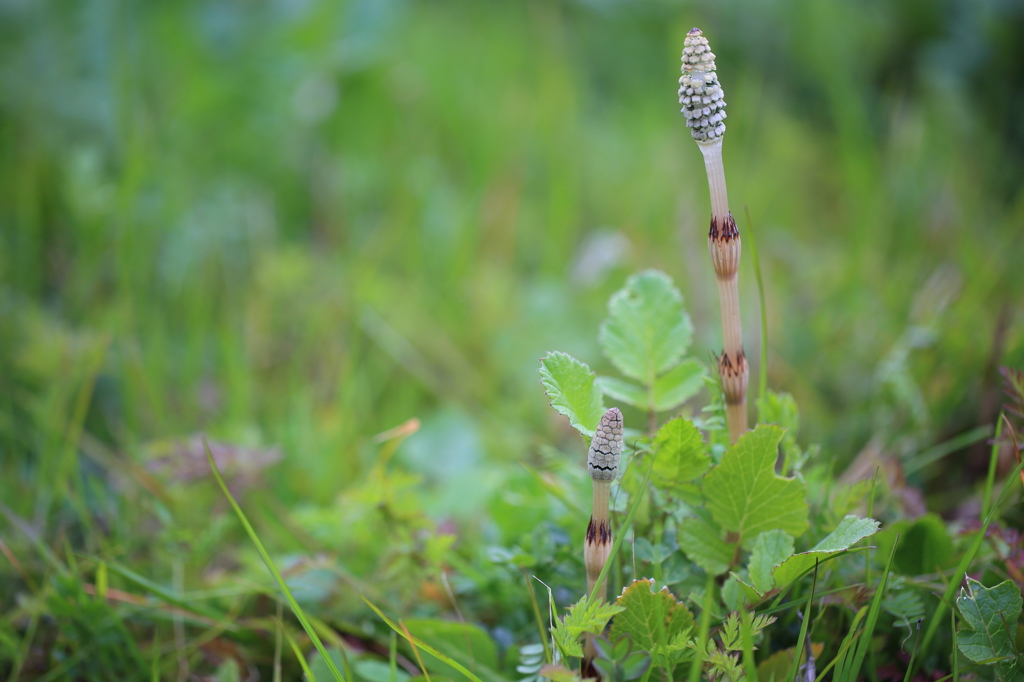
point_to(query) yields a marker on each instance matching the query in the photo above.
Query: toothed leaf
(655, 621)
(680, 455)
(771, 548)
(703, 544)
(746, 496)
(991, 615)
(570, 386)
(647, 330)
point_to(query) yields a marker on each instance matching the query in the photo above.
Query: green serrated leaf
(583, 617)
(746, 496)
(730, 632)
(849, 531)
(703, 544)
(655, 621)
(680, 455)
(771, 548)
(570, 386)
(621, 390)
(647, 330)
(678, 385)
(991, 615)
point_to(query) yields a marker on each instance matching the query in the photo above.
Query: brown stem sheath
(724, 247)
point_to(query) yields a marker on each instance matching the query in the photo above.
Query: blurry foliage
(295, 224)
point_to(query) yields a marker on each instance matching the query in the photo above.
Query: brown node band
(735, 375)
(724, 246)
(598, 533)
(723, 230)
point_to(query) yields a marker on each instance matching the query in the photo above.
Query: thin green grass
(966, 560)
(993, 461)
(296, 609)
(762, 382)
(860, 651)
(798, 650)
(913, 656)
(747, 639)
(703, 630)
(416, 643)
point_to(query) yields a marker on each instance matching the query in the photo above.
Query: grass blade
(296, 609)
(840, 657)
(393, 657)
(415, 642)
(298, 653)
(913, 656)
(798, 651)
(540, 621)
(762, 381)
(415, 650)
(872, 618)
(993, 460)
(965, 562)
(703, 629)
(952, 638)
(747, 638)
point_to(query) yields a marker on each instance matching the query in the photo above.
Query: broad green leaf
(849, 531)
(991, 615)
(678, 385)
(466, 644)
(703, 544)
(655, 621)
(777, 666)
(570, 386)
(746, 496)
(924, 545)
(631, 394)
(680, 455)
(771, 548)
(646, 331)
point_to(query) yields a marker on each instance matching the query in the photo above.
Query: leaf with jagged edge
(583, 617)
(680, 455)
(655, 621)
(702, 542)
(745, 495)
(570, 386)
(991, 615)
(849, 531)
(647, 330)
(771, 548)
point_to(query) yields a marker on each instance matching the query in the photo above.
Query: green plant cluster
(736, 518)
(333, 237)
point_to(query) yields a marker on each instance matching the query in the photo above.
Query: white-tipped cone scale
(603, 466)
(704, 108)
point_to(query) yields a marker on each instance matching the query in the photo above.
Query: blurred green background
(296, 224)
